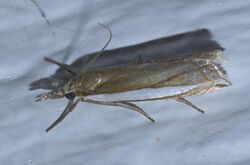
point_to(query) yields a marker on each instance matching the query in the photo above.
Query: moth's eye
(70, 96)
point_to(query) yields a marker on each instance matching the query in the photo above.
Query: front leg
(123, 104)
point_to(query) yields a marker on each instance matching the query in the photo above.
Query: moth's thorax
(84, 85)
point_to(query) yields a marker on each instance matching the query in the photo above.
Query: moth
(192, 68)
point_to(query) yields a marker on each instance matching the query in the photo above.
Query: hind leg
(123, 104)
(182, 100)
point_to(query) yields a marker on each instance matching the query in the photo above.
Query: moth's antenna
(99, 53)
(61, 65)
(41, 11)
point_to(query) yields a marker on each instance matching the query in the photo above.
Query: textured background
(96, 134)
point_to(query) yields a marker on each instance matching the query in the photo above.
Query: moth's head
(64, 91)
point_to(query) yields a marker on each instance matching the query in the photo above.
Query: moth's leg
(123, 104)
(64, 66)
(137, 109)
(61, 117)
(69, 108)
(220, 74)
(182, 100)
(217, 72)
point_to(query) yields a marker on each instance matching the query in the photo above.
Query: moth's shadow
(187, 45)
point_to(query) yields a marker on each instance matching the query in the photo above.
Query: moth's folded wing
(149, 75)
(189, 45)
